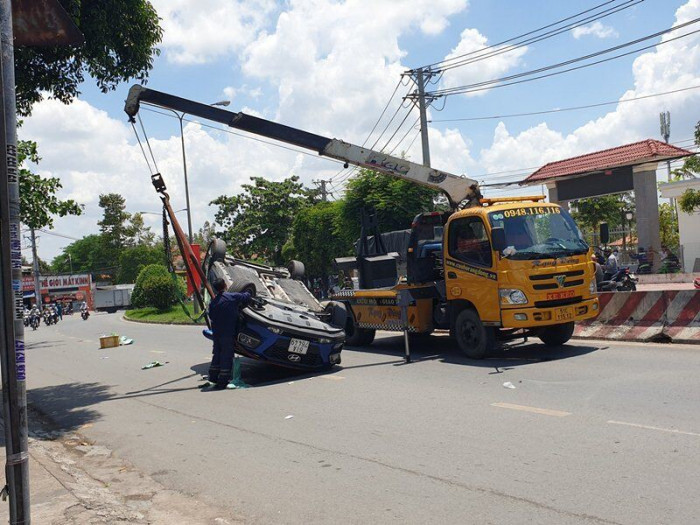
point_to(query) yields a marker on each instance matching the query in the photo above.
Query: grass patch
(174, 315)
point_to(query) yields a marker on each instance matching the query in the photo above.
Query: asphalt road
(597, 432)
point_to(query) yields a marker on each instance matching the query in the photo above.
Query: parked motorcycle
(622, 281)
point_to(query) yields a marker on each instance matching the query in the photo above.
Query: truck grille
(545, 276)
(553, 286)
(279, 352)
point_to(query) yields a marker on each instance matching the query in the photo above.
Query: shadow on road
(43, 344)
(441, 347)
(67, 405)
(260, 373)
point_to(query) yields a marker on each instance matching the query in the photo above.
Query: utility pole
(665, 121)
(35, 271)
(422, 107)
(12, 356)
(324, 191)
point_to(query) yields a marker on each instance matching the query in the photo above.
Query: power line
(435, 64)
(504, 81)
(538, 38)
(559, 110)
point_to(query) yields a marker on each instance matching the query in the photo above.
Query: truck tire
(473, 338)
(241, 282)
(557, 334)
(296, 270)
(338, 313)
(356, 336)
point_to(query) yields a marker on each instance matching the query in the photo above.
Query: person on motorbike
(599, 274)
(612, 265)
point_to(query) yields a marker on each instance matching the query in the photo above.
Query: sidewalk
(73, 481)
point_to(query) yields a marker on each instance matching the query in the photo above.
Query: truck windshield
(541, 232)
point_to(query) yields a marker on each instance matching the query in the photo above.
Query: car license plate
(298, 346)
(564, 314)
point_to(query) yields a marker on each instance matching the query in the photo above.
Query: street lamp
(70, 260)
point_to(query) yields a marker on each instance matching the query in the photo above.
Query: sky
(331, 67)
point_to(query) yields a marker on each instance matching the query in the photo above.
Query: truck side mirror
(498, 238)
(604, 233)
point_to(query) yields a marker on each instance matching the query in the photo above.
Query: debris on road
(123, 340)
(153, 364)
(289, 417)
(508, 384)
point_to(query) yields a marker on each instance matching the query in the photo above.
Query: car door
(470, 267)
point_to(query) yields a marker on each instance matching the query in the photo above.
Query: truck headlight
(512, 296)
(593, 287)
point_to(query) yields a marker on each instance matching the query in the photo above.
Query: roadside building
(72, 289)
(688, 230)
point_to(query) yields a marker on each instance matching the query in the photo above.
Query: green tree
(156, 287)
(689, 202)
(114, 226)
(396, 202)
(317, 240)
(668, 225)
(138, 233)
(86, 255)
(589, 213)
(38, 201)
(120, 43)
(691, 165)
(133, 259)
(257, 222)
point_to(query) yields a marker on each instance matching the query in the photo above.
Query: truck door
(470, 267)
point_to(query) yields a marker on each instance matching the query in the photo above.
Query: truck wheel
(296, 270)
(356, 336)
(556, 335)
(473, 338)
(241, 282)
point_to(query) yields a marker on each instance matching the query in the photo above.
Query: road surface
(598, 432)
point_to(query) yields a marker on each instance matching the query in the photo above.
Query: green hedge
(155, 287)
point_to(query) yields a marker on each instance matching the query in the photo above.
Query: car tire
(217, 250)
(241, 282)
(338, 313)
(557, 334)
(473, 338)
(356, 336)
(296, 270)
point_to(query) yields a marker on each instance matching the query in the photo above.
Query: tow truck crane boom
(460, 191)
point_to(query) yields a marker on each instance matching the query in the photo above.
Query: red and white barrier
(645, 316)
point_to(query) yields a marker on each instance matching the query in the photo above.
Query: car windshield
(541, 232)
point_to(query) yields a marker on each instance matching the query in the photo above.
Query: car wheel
(241, 281)
(296, 269)
(473, 338)
(556, 335)
(217, 250)
(338, 313)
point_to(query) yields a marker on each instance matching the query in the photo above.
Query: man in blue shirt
(223, 314)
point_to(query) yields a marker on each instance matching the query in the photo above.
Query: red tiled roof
(645, 151)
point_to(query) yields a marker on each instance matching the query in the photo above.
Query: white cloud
(335, 64)
(668, 67)
(198, 32)
(595, 29)
(494, 66)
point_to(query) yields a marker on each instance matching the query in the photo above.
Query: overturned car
(284, 324)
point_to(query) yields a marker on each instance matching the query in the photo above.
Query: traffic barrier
(645, 316)
(683, 316)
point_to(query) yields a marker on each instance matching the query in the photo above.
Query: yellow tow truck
(491, 269)
(503, 269)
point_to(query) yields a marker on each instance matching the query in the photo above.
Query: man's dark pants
(222, 360)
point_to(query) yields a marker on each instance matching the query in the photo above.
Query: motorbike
(85, 314)
(622, 281)
(34, 321)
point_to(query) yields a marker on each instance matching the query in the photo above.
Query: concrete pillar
(647, 213)
(554, 196)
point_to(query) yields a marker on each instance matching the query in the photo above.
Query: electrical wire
(504, 81)
(540, 38)
(559, 110)
(148, 143)
(436, 64)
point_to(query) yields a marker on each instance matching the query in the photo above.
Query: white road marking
(334, 378)
(534, 410)
(649, 427)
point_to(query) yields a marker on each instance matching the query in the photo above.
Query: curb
(139, 321)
